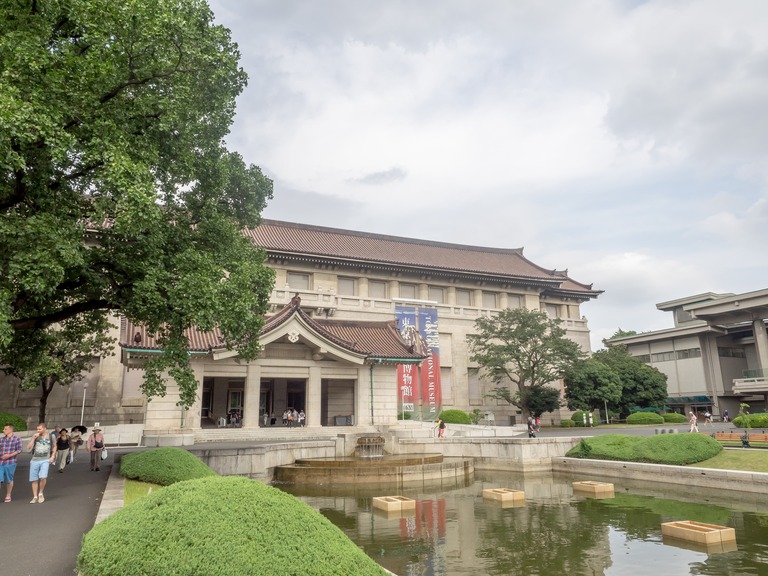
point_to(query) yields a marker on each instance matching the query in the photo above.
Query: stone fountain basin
(389, 470)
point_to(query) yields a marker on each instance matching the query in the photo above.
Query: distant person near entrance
(694, 420)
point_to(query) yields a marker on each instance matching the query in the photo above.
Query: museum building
(716, 355)
(363, 329)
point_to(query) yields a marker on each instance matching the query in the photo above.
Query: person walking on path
(43, 447)
(10, 448)
(75, 441)
(725, 416)
(440, 427)
(62, 449)
(694, 421)
(95, 446)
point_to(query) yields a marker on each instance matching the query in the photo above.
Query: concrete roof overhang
(736, 309)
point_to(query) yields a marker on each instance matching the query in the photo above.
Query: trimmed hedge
(18, 423)
(226, 526)
(674, 449)
(567, 424)
(163, 466)
(674, 418)
(455, 417)
(759, 420)
(645, 418)
(578, 418)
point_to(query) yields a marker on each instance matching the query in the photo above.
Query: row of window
(347, 286)
(669, 356)
(727, 352)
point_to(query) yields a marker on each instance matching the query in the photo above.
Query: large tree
(524, 348)
(591, 385)
(641, 385)
(117, 193)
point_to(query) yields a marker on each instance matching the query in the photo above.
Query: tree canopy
(522, 347)
(117, 192)
(641, 385)
(592, 384)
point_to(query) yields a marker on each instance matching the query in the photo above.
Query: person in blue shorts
(10, 448)
(43, 447)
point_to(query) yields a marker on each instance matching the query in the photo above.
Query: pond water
(456, 532)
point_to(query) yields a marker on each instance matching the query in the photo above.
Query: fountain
(372, 466)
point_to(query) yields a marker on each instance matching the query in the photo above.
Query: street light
(82, 411)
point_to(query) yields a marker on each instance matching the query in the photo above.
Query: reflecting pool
(456, 532)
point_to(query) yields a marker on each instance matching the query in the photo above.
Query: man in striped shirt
(10, 448)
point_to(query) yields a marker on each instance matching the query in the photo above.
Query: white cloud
(626, 141)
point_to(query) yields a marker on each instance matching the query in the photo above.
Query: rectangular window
(663, 357)
(490, 300)
(513, 301)
(646, 358)
(446, 385)
(475, 386)
(377, 289)
(408, 291)
(298, 281)
(346, 286)
(689, 353)
(727, 352)
(683, 316)
(463, 298)
(437, 294)
(553, 310)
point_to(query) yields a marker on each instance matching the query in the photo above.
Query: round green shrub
(455, 417)
(578, 418)
(567, 424)
(163, 466)
(18, 423)
(759, 420)
(645, 418)
(673, 449)
(677, 449)
(226, 526)
(674, 418)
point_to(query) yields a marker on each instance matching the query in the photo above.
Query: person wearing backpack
(95, 446)
(43, 448)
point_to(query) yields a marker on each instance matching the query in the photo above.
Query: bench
(745, 438)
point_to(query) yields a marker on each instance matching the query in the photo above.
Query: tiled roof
(290, 239)
(372, 339)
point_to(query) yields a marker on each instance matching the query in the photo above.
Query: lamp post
(82, 411)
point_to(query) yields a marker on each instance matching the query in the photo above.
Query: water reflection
(455, 532)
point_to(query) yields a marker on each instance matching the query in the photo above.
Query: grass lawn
(134, 490)
(737, 459)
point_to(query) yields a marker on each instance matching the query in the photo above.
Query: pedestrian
(285, 417)
(694, 420)
(10, 448)
(302, 417)
(266, 418)
(531, 428)
(62, 449)
(75, 441)
(725, 415)
(289, 416)
(43, 448)
(537, 421)
(95, 445)
(707, 418)
(440, 427)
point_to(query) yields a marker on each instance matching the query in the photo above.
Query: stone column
(314, 394)
(194, 414)
(251, 393)
(761, 345)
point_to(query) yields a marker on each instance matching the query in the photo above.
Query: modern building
(715, 357)
(363, 329)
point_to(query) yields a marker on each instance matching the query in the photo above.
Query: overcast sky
(626, 141)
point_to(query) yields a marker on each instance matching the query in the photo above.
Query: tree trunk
(47, 386)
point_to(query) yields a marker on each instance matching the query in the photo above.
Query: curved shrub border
(226, 526)
(163, 466)
(674, 449)
(645, 418)
(18, 423)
